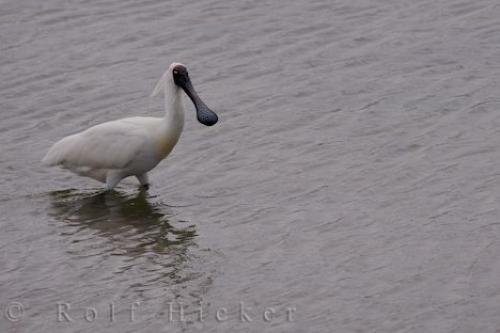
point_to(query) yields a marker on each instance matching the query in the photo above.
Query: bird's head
(178, 75)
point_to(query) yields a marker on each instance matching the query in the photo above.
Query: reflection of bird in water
(134, 241)
(133, 222)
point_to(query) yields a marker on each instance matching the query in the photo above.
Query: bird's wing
(110, 145)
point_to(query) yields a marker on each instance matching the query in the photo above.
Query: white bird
(117, 149)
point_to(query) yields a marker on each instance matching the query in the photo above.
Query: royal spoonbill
(117, 149)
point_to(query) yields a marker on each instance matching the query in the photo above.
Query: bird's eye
(176, 72)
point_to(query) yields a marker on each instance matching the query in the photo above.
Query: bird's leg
(143, 180)
(112, 179)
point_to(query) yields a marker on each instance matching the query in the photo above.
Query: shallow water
(351, 185)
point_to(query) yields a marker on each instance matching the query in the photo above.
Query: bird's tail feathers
(49, 160)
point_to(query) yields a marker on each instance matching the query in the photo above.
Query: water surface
(351, 185)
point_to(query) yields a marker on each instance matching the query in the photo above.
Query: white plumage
(114, 150)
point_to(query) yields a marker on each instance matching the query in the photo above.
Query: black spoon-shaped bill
(203, 113)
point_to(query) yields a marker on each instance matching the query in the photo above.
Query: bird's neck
(174, 109)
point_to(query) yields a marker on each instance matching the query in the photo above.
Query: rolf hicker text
(175, 312)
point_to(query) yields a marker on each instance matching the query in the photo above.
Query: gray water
(351, 185)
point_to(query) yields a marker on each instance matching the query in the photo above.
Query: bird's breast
(165, 145)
